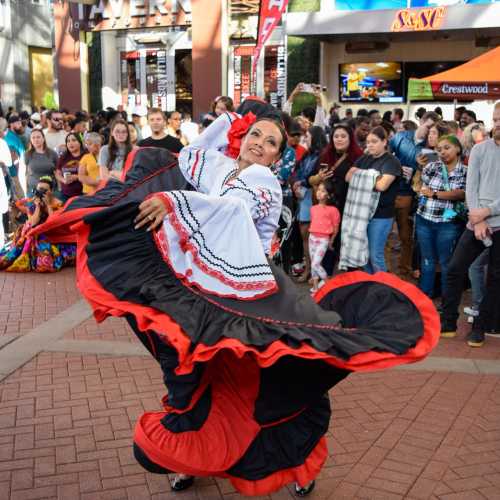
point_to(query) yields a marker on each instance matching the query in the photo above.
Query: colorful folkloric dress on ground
(247, 359)
(27, 252)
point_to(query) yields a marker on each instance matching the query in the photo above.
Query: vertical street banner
(161, 79)
(270, 13)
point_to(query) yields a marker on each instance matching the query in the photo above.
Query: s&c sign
(418, 19)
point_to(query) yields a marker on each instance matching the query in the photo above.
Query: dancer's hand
(152, 212)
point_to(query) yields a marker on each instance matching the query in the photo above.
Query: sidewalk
(67, 414)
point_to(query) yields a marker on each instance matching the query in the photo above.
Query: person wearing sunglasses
(55, 135)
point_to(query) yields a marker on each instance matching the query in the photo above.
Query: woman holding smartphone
(336, 159)
(429, 154)
(67, 167)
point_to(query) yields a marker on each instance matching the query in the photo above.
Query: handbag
(459, 212)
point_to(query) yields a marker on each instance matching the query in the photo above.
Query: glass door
(148, 79)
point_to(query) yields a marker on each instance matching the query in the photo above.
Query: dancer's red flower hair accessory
(238, 130)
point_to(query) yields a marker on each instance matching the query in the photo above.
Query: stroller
(280, 249)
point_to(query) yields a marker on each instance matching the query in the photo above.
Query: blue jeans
(378, 232)
(477, 276)
(437, 242)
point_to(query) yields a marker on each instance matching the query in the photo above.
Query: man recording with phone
(320, 117)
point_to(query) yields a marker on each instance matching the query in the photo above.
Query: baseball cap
(35, 117)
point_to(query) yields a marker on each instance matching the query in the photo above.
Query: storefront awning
(339, 24)
(478, 78)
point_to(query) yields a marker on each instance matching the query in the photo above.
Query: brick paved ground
(66, 422)
(111, 329)
(66, 425)
(28, 299)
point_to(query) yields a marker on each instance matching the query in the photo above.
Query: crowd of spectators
(431, 201)
(371, 191)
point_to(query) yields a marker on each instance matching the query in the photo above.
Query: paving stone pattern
(66, 423)
(28, 299)
(110, 329)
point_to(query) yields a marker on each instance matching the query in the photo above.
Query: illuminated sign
(418, 19)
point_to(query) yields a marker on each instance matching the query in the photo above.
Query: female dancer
(247, 359)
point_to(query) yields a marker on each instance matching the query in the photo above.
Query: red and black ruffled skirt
(247, 380)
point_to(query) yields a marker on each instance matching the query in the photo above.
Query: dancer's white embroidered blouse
(217, 238)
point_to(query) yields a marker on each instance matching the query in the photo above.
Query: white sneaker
(470, 311)
(320, 284)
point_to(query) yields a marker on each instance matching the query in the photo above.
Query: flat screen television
(428, 68)
(371, 82)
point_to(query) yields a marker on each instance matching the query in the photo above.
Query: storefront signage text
(122, 14)
(418, 19)
(447, 88)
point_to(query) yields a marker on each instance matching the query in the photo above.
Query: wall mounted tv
(428, 68)
(371, 82)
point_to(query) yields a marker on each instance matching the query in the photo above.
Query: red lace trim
(268, 287)
(195, 164)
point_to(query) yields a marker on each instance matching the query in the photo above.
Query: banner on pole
(269, 16)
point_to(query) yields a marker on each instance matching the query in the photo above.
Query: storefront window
(148, 78)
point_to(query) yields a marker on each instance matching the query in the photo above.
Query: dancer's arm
(204, 158)
(260, 191)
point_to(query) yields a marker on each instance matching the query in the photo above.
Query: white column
(84, 71)
(110, 61)
(224, 35)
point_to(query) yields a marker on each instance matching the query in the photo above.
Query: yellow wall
(41, 74)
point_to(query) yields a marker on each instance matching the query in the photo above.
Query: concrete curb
(101, 347)
(461, 365)
(23, 348)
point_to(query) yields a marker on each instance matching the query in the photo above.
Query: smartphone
(431, 154)
(312, 87)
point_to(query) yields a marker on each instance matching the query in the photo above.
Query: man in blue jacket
(406, 146)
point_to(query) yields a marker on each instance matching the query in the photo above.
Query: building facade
(370, 48)
(172, 54)
(26, 60)
(162, 53)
